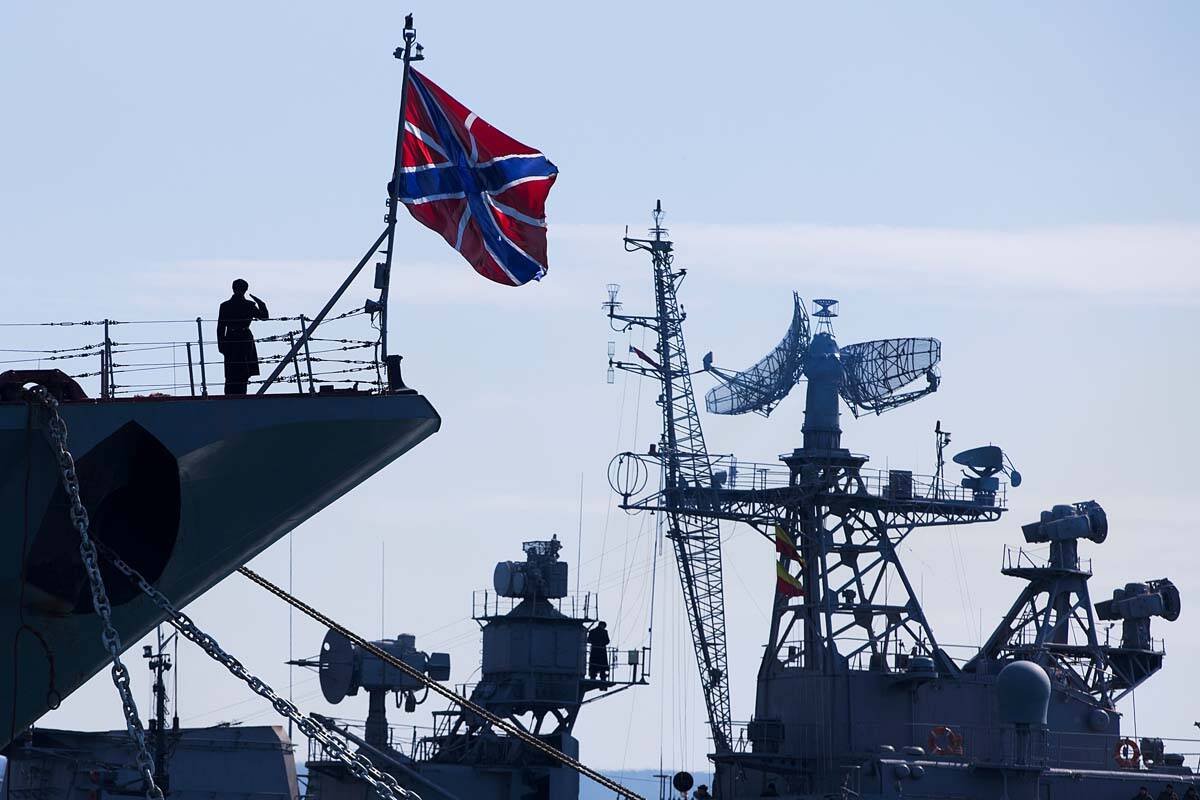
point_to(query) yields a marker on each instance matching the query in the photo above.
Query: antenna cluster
(985, 463)
(825, 309)
(869, 376)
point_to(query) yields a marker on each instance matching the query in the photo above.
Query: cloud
(1159, 262)
(292, 284)
(1138, 263)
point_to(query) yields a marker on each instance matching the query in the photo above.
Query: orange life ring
(1127, 754)
(944, 741)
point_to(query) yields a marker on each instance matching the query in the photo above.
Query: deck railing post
(106, 379)
(103, 373)
(191, 372)
(307, 354)
(200, 342)
(296, 363)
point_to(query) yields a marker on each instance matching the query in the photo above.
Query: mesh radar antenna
(685, 468)
(762, 386)
(871, 376)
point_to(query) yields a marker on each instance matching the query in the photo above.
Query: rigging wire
(464, 703)
(617, 446)
(579, 539)
(625, 570)
(661, 698)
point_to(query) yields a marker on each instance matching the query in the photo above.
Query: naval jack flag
(478, 187)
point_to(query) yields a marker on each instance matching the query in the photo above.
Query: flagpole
(384, 269)
(383, 273)
(307, 333)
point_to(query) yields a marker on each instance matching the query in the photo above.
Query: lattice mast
(685, 468)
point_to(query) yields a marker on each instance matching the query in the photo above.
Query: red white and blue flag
(482, 190)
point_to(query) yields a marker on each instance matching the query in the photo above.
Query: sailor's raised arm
(262, 312)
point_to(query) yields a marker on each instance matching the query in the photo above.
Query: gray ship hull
(230, 763)
(185, 489)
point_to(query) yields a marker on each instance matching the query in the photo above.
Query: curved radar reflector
(762, 386)
(336, 667)
(876, 372)
(987, 459)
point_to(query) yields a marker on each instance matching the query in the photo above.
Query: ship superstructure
(540, 662)
(856, 696)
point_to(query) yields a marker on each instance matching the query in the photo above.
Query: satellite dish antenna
(987, 461)
(760, 387)
(336, 667)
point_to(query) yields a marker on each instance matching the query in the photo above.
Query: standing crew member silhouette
(234, 339)
(598, 652)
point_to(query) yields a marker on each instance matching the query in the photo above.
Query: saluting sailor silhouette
(234, 339)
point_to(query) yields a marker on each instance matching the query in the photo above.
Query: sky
(1013, 178)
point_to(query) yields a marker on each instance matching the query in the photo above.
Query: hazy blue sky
(1015, 178)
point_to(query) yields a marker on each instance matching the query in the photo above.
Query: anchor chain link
(384, 784)
(87, 552)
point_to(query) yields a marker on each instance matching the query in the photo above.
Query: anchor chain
(468, 706)
(87, 552)
(384, 784)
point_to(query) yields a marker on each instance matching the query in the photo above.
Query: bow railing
(112, 359)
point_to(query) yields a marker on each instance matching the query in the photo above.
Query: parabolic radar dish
(762, 386)
(875, 372)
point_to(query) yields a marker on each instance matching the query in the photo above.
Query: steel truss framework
(858, 599)
(1053, 624)
(686, 466)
